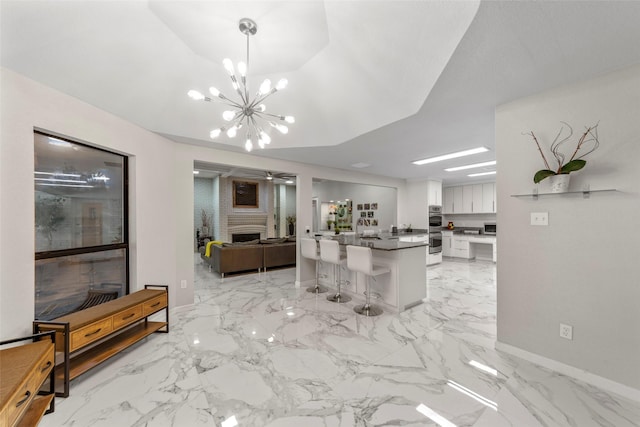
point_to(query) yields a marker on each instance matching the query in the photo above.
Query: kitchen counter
(384, 241)
(406, 284)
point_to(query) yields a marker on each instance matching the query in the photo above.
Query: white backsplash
(468, 220)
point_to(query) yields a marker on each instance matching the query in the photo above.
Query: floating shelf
(585, 193)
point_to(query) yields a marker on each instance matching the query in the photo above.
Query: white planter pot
(560, 183)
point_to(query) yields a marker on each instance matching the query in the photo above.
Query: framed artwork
(245, 194)
(366, 206)
(363, 214)
(374, 222)
(370, 214)
(374, 206)
(359, 207)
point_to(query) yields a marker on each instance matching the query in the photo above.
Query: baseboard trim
(572, 371)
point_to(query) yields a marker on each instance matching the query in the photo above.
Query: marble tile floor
(255, 351)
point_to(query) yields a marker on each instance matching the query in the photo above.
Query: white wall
(583, 269)
(161, 193)
(153, 226)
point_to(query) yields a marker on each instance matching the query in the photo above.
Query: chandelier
(247, 115)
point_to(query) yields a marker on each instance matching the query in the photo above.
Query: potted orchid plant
(587, 144)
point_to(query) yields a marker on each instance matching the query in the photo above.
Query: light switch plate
(539, 218)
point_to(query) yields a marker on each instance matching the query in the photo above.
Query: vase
(560, 183)
(291, 229)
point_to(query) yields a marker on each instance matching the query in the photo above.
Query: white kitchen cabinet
(434, 193)
(477, 203)
(467, 199)
(447, 250)
(458, 204)
(489, 197)
(461, 247)
(447, 200)
(420, 195)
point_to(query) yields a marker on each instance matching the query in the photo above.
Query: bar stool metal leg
(338, 297)
(367, 309)
(318, 289)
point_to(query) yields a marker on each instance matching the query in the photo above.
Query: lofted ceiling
(380, 83)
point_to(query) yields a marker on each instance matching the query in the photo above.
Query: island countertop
(384, 241)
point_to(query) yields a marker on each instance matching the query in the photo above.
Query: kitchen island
(406, 284)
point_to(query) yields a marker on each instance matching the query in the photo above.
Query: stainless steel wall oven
(435, 242)
(435, 229)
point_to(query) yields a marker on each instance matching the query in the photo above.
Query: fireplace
(244, 237)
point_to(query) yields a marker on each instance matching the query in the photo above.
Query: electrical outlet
(566, 331)
(539, 218)
(183, 284)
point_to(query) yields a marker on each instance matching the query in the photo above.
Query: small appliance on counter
(490, 228)
(450, 226)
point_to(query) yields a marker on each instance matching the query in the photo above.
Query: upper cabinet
(489, 197)
(467, 199)
(434, 193)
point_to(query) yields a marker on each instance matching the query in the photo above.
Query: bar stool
(360, 260)
(309, 248)
(330, 253)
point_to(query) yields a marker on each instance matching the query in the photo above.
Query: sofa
(255, 255)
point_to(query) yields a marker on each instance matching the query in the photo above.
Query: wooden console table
(88, 337)
(24, 370)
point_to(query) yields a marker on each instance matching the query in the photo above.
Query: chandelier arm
(256, 128)
(277, 116)
(223, 100)
(259, 98)
(231, 103)
(236, 86)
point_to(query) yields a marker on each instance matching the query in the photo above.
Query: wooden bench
(88, 337)
(24, 369)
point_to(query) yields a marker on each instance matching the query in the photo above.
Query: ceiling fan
(270, 176)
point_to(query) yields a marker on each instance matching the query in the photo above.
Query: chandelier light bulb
(261, 108)
(242, 69)
(289, 119)
(264, 137)
(228, 115)
(194, 94)
(232, 132)
(215, 133)
(265, 87)
(282, 84)
(261, 143)
(228, 65)
(248, 145)
(282, 129)
(213, 91)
